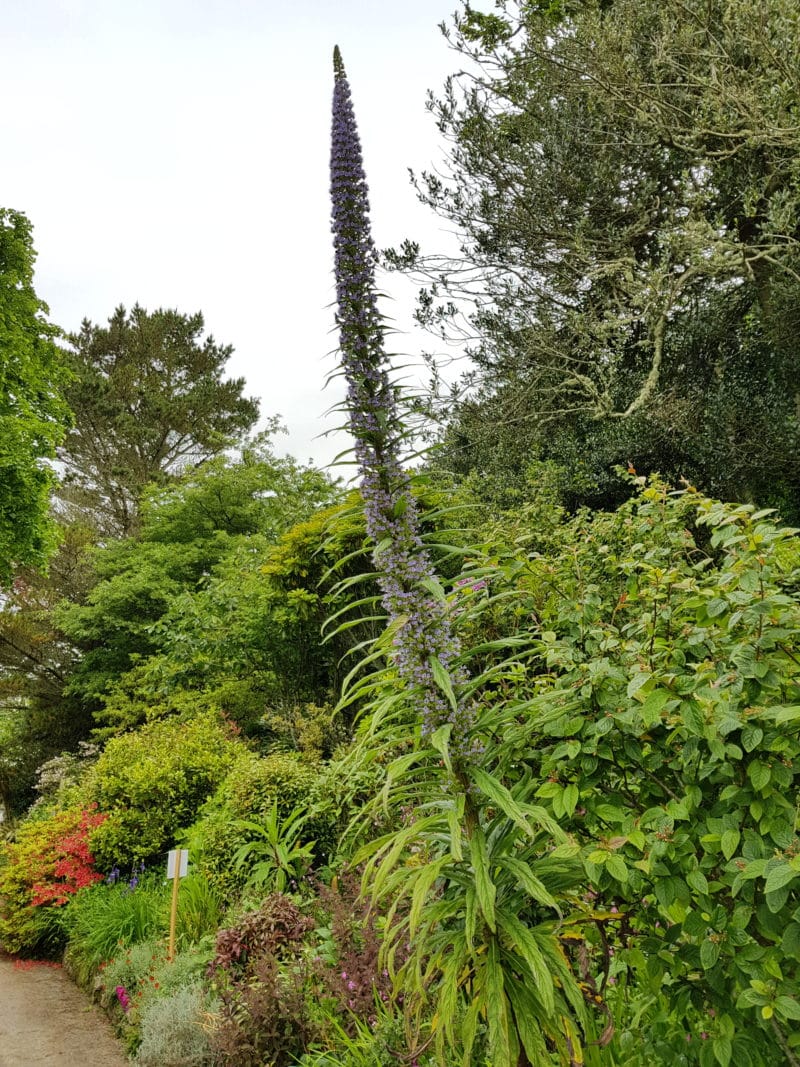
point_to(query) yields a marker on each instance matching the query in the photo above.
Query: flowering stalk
(425, 646)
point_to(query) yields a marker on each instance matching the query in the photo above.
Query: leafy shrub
(247, 794)
(140, 975)
(274, 856)
(259, 976)
(256, 782)
(277, 925)
(153, 781)
(173, 1033)
(653, 703)
(49, 863)
(313, 730)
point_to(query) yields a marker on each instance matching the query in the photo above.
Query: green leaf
(425, 878)
(439, 740)
(653, 706)
(497, 1013)
(788, 1008)
(709, 954)
(751, 737)
(729, 843)
(432, 586)
(716, 607)
(443, 681)
(636, 683)
(778, 877)
(454, 826)
(616, 867)
(524, 943)
(723, 1050)
(697, 881)
(528, 881)
(527, 1017)
(570, 799)
(759, 774)
(502, 798)
(484, 886)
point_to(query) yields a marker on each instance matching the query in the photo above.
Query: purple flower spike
(423, 634)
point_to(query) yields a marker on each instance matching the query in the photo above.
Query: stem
(791, 1059)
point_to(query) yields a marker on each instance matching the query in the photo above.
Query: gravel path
(45, 1019)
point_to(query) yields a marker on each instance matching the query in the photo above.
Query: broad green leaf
(759, 774)
(653, 706)
(788, 1007)
(570, 799)
(723, 1050)
(729, 842)
(637, 683)
(697, 881)
(716, 607)
(778, 877)
(617, 868)
(709, 954)
(751, 737)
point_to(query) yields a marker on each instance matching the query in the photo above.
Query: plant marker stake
(177, 865)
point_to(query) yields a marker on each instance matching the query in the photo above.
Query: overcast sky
(175, 153)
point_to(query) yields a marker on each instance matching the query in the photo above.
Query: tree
(32, 410)
(189, 531)
(149, 399)
(619, 173)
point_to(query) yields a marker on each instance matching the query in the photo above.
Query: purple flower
(123, 998)
(425, 648)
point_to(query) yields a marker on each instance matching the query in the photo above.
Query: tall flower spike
(424, 644)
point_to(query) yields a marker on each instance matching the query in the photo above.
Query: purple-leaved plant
(425, 647)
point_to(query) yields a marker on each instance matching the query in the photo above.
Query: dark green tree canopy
(622, 176)
(150, 399)
(32, 410)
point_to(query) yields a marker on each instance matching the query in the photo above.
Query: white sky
(175, 153)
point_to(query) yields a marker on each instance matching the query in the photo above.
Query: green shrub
(172, 1030)
(152, 783)
(255, 782)
(248, 793)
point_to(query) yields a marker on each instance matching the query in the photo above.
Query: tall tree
(622, 173)
(32, 411)
(188, 528)
(149, 399)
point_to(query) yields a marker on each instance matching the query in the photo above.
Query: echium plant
(424, 643)
(476, 924)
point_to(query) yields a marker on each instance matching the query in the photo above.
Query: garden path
(45, 1020)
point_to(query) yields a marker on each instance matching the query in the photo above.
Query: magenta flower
(123, 998)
